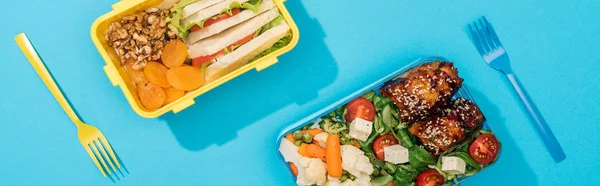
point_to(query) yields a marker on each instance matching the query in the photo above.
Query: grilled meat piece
(438, 134)
(449, 126)
(467, 113)
(423, 90)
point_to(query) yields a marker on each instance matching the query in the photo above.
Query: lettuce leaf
(174, 20)
(273, 23)
(182, 30)
(278, 45)
(252, 5)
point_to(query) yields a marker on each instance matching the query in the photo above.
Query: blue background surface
(228, 136)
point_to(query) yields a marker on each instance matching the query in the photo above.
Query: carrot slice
(152, 96)
(290, 138)
(294, 169)
(155, 72)
(302, 150)
(316, 151)
(333, 156)
(312, 132)
(174, 54)
(312, 151)
(185, 77)
(173, 94)
(356, 144)
(137, 76)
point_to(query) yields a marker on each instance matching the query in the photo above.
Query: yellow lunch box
(117, 75)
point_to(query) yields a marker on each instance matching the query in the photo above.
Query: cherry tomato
(391, 184)
(360, 108)
(196, 62)
(484, 149)
(430, 178)
(211, 21)
(383, 141)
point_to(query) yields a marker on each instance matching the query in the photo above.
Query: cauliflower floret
(321, 138)
(349, 182)
(289, 151)
(331, 181)
(336, 182)
(355, 162)
(314, 171)
(364, 180)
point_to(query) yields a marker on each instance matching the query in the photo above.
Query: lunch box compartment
(461, 93)
(118, 77)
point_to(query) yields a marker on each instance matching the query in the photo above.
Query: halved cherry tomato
(196, 62)
(211, 21)
(391, 184)
(484, 149)
(383, 141)
(360, 108)
(430, 178)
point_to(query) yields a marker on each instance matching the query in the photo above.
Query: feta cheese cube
(361, 129)
(395, 154)
(453, 164)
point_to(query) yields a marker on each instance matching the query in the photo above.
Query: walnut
(163, 23)
(128, 18)
(171, 34)
(140, 37)
(151, 10)
(151, 19)
(139, 65)
(146, 49)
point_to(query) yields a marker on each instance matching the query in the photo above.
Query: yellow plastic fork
(90, 137)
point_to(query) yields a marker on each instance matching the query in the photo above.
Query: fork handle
(540, 124)
(41, 70)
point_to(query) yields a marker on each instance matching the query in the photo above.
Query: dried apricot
(173, 94)
(152, 96)
(174, 54)
(155, 73)
(185, 77)
(137, 76)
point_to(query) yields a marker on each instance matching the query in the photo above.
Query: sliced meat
(424, 89)
(468, 114)
(449, 126)
(438, 134)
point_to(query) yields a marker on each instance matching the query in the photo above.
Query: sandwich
(224, 35)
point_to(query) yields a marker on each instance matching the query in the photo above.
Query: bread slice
(218, 42)
(229, 22)
(209, 11)
(197, 6)
(240, 57)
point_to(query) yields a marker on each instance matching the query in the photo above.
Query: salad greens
(419, 158)
(405, 175)
(383, 180)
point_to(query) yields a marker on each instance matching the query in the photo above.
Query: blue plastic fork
(492, 51)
